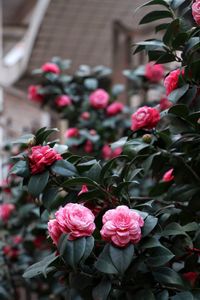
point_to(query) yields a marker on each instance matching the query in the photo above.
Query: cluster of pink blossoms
(121, 225)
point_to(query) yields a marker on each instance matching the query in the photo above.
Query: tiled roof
(81, 30)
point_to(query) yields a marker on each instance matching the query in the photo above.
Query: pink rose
(88, 147)
(54, 230)
(164, 104)
(83, 190)
(75, 220)
(99, 99)
(114, 108)
(63, 100)
(6, 210)
(50, 68)
(171, 81)
(168, 176)
(145, 118)
(33, 94)
(41, 157)
(154, 72)
(72, 132)
(122, 226)
(85, 115)
(196, 11)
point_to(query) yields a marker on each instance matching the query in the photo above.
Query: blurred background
(93, 32)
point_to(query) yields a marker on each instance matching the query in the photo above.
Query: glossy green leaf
(37, 183)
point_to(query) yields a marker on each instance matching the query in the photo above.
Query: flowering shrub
(143, 235)
(87, 101)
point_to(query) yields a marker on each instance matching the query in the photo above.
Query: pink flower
(99, 99)
(191, 277)
(41, 157)
(50, 68)
(88, 147)
(63, 100)
(83, 190)
(10, 252)
(116, 152)
(6, 210)
(165, 104)
(75, 220)
(85, 115)
(171, 81)
(114, 108)
(196, 11)
(54, 230)
(145, 118)
(72, 132)
(154, 72)
(33, 94)
(168, 176)
(106, 152)
(122, 226)
(18, 239)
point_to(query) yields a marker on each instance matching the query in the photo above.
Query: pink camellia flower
(196, 11)
(41, 157)
(33, 94)
(63, 100)
(18, 239)
(6, 210)
(83, 190)
(154, 72)
(122, 226)
(88, 147)
(164, 104)
(99, 99)
(72, 132)
(191, 277)
(85, 115)
(116, 152)
(10, 252)
(50, 68)
(114, 108)
(171, 81)
(106, 152)
(168, 176)
(145, 118)
(54, 230)
(76, 220)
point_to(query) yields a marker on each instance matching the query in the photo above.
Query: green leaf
(145, 294)
(150, 242)
(79, 181)
(159, 189)
(156, 15)
(94, 172)
(104, 263)
(49, 195)
(41, 268)
(21, 168)
(25, 139)
(121, 257)
(159, 256)
(149, 224)
(155, 2)
(102, 290)
(176, 3)
(172, 29)
(179, 110)
(88, 247)
(169, 278)
(173, 229)
(175, 95)
(183, 296)
(64, 168)
(71, 251)
(37, 183)
(42, 135)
